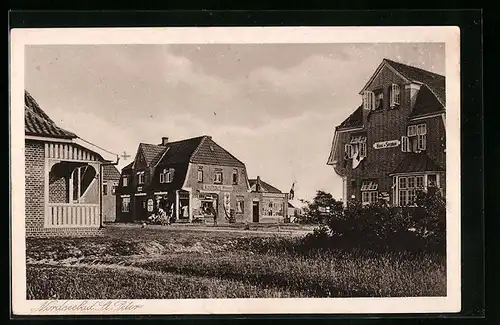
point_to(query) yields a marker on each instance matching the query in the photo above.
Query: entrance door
(141, 208)
(255, 211)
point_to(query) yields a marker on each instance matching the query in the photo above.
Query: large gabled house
(394, 143)
(63, 177)
(187, 178)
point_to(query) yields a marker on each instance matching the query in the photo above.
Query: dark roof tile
(266, 187)
(426, 103)
(37, 123)
(109, 172)
(152, 152)
(434, 81)
(209, 152)
(416, 162)
(354, 120)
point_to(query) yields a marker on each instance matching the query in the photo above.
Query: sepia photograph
(210, 172)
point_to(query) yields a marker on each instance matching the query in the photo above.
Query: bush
(379, 227)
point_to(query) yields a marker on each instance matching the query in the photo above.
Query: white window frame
(356, 144)
(125, 180)
(395, 95)
(140, 177)
(125, 204)
(104, 188)
(415, 138)
(369, 100)
(113, 189)
(199, 175)
(402, 186)
(218, 180)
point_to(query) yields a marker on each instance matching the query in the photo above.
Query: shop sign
(386, 144)
(215, 187)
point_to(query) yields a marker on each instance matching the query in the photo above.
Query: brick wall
(35, 199)
(384, 125)
(34, 189)
(58, 189)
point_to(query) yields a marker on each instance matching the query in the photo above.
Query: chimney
(257, 184)
(164, 141)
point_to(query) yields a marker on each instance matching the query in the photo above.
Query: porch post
(190, 205)
(177, 205)
(46, 188)
(71, 183)
(79, 183)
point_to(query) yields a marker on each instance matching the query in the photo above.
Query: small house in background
(63, 177)
(110, 179)
(269, 204)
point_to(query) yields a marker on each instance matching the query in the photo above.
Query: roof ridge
(195, 151)
(412, 67)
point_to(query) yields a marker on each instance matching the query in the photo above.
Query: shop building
(194, 180)
(394, 143)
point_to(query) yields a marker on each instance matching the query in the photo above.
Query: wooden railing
(73, 215)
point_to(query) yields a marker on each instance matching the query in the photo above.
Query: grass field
(158, 263)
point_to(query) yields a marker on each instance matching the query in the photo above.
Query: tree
(323, 208)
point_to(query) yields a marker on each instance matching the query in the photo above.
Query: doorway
(255, 211)
(141, 208)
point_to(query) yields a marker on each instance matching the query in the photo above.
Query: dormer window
(356, 147)
(416, 138)
(395, 95)
(140, 177)
(369, 100)
(167, 175)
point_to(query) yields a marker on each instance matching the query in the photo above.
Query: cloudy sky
(274, 106)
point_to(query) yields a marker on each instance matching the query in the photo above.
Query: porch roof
(416, 162)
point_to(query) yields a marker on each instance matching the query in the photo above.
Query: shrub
(379, 227)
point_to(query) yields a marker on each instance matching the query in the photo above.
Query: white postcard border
(195, 35)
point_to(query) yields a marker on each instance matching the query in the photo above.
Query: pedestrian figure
(162, 216)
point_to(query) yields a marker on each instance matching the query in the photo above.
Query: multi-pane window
(415, 139)
(218, 177)
(356, 147)
(113, 189)
(105, 188)
(395, 95)
(200, 175)
(167, 175)
(125, 204)
(408, 187)
(369, 193)
(140, 177)
(235, 176)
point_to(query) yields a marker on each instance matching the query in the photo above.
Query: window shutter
(422, 142)
(395, 95)
(404, 144)
(369, 100)
(362, 151)
(348, 151)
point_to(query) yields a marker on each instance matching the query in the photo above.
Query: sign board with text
(215, 187)
(386, 144)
